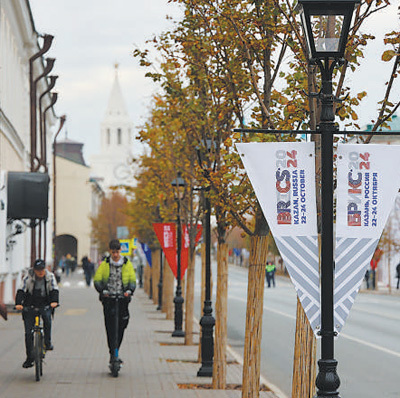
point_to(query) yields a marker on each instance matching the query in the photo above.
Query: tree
(111, 215)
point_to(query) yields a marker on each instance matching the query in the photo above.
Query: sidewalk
(154, 362)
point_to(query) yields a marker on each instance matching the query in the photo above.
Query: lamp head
(179, 184)
(326, 25)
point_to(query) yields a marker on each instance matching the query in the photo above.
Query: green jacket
(270, 268)
(103, 274)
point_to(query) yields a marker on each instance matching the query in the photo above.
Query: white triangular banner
(283, 178)
(368, 179)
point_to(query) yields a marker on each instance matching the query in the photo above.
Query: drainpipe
(63, 118)
(42, 125)
(47, 41)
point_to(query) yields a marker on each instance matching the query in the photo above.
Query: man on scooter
(115, 276)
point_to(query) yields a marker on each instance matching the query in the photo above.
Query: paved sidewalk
(154, 362)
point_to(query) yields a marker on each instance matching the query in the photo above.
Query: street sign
(126, 247)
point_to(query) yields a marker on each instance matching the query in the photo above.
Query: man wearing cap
(39, 289)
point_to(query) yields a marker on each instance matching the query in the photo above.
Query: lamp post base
(205, 371)
(327, 379)
(178, 332)
(207, 323)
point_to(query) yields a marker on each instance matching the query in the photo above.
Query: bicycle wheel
(41, 353)
(37, 354)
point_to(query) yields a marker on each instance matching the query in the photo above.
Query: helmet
(39, 265)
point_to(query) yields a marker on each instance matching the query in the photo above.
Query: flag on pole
(368, 179)
(283, 178)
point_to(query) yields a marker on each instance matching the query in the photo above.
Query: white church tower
(112, 165)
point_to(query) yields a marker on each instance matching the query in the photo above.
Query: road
(368, 349)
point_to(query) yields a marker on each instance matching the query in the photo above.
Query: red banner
(166, 234)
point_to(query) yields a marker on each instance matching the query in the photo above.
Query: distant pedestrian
(68, 264)
(398, 275)
(270, 273)
(366, 277)
(88, 269)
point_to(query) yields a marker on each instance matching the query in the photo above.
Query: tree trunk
(146, 279)
(168, 292)
(254, 314)
(189, 302)
(304, 366)
(155, 261)
(221, 308)
(202, 290)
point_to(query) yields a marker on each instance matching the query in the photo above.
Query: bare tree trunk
(168, 292)
(254, 314)
(304, 365)
(155, 261)
(221, 308)
(203, 290)
(189, 302)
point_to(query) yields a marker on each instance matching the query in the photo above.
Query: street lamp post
(326, 25)
(179, 186)
(207, 321)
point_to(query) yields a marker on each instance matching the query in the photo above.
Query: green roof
(394, 125)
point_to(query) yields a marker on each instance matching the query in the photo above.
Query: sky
(92, 35)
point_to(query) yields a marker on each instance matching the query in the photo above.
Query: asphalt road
(368, 349)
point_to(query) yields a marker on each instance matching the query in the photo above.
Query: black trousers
(29, 321)
(109, 309)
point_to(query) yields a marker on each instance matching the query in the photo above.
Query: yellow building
(78, 197)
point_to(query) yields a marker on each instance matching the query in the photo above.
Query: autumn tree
(110, 216)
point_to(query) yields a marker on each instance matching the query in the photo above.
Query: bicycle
(39, 350)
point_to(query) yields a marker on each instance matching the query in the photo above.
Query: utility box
(27, 195)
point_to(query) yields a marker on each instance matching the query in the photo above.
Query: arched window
(119, 132)
(108, 137)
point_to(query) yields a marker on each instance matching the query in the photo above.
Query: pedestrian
(115, 275)
(88, 269)
(398, 275)
(366, 277)
(61, 263)
(39, 290)
(270, 273)
(68, 264)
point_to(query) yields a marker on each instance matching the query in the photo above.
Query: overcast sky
(92, 35)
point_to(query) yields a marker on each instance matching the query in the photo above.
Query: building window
(119, 132)
(108, 137)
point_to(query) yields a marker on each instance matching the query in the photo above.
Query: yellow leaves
(388, 55)
(361, 95)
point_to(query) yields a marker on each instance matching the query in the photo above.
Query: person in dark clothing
(88, 269)
(39, 289)
(115, 275)
(398, 275)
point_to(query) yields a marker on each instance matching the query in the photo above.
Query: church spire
(116, 103)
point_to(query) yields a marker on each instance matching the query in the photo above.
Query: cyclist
(39, 289)
(115, 275)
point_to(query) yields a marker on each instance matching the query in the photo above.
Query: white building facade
(19, 41)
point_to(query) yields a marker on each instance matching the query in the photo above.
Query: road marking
(396, 318)
(76, 311)
(344, 335)
(371, 345)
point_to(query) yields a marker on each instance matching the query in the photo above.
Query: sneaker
(28, 363)
(49, 347)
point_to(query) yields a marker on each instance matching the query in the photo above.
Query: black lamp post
(326, 26)
(207, 321)
(179, 185)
